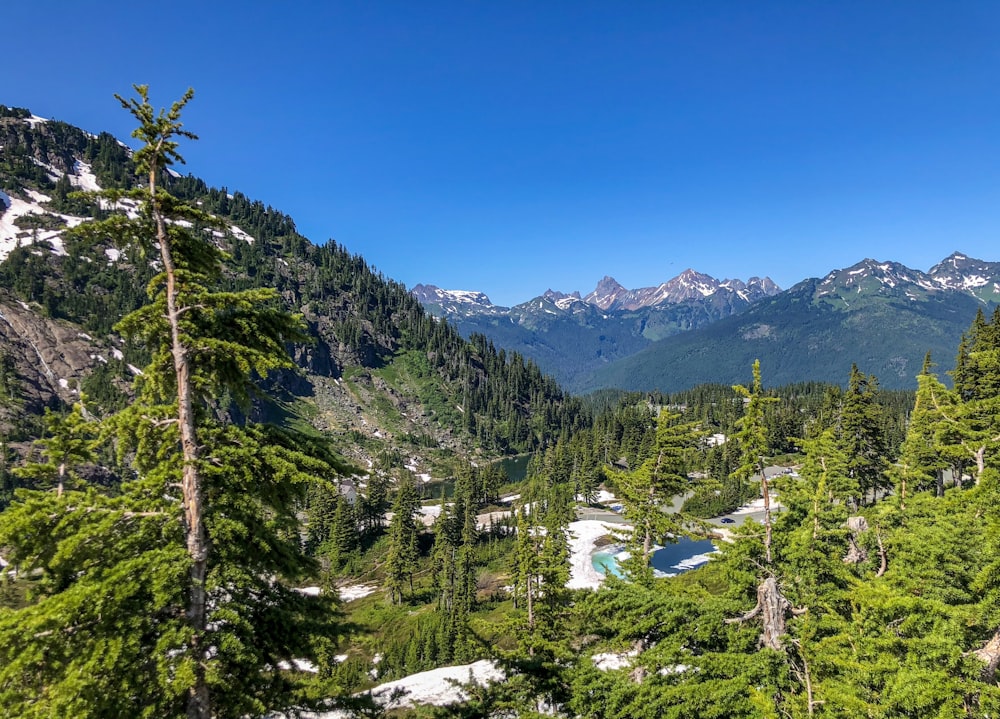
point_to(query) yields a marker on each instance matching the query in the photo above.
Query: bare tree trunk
(765, 490)
(199, 705)
(772, 606)
(989, 654)
(531, 607)
(805, 677)
(883, 557)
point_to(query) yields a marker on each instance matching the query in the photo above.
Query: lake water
(516, 468)
(681, 556)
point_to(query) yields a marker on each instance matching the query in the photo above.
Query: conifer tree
(68, 444)
(158, 600)
(344, 537)
(754, 448)
(863, 437)
(402, 555)
(443, 571)
(646, 490)
(921, 462)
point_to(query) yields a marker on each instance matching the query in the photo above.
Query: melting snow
(350, 592)
(436, 687)
(11, 235)
(83, 177)
(302, 665)
(241, 235)
(583, 536)
(610, 661)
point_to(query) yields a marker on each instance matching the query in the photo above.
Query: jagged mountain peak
(689, 285)
(562, 300)
(606, 294)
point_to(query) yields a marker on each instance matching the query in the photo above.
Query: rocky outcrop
(44, 359)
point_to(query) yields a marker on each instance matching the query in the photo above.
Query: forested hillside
(367, 334)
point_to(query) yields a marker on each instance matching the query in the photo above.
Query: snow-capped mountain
(609, 295)
(965, 274)
(449, 301)
(884, 316)
(689, 285)
(869, 278)
(569, 335)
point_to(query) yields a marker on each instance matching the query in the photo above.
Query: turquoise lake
(671, 559)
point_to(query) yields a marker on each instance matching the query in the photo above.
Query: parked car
(728, 520)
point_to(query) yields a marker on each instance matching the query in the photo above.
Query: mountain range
(572, 336)
(695, 329)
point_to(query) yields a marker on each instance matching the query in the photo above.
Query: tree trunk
(199, 705)
(765, 490)
(883, 557)
(772, 606)
(989, 654)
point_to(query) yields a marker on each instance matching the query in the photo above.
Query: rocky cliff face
(45, 361)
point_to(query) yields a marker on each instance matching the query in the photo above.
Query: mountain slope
(381, 376)
(881, 315)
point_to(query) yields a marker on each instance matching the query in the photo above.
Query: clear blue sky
(514, 146)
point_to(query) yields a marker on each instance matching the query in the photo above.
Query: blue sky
(512, 146)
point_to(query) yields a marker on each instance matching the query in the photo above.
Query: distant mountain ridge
(608, 294)
(695, 328)
(570, 336)
(689, 285)
(882, 315)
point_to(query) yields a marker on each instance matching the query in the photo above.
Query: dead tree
(773, 609)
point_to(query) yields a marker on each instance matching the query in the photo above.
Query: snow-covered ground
(350, 592)
(610, 661)
(11, 235)
(436, 687)
(347, 593)
(757, 506)
(603, 496)
(582, 538)
(484, 521)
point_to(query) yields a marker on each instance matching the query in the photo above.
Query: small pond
(671, 559)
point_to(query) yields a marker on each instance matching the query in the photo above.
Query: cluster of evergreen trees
(872, 592)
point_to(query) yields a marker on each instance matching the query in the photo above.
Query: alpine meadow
(244, 475)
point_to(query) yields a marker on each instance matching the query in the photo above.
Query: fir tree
(402, 554)
(158, 600)
(863, 437)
